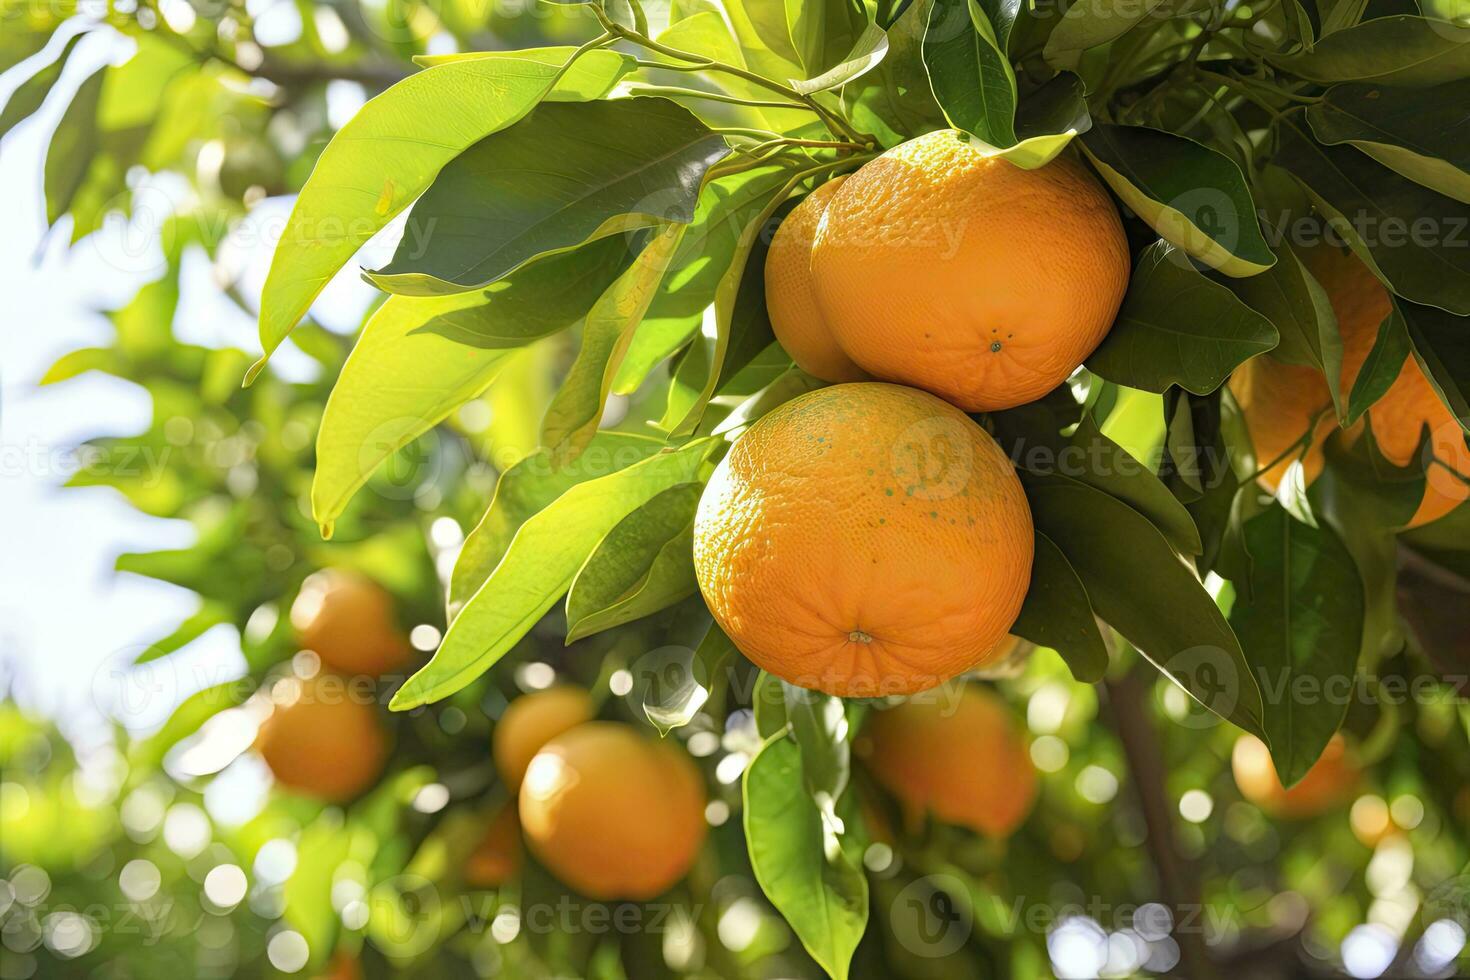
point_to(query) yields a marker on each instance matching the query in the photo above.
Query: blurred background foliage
(165, 852)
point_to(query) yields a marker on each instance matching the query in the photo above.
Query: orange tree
(1151, 318)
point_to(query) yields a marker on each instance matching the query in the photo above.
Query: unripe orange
(497, 858)
(347, 621)
(324, 739)
(1329, 784)
(530, 722)
(967, 763)
(614, 814)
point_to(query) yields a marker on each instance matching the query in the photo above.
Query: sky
(68, 621)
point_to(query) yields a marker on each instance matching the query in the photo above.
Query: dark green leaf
(72, 147)
(1442, 344)
(1299, 617)
(1382, 366)
(566, 173)
(1423, 134)
(644, 564)
(969, 71)
(538, 300)
(1298, 307)
(1088, 25)
(1177, 326)
(1382, 215)
(33, 91)
(674, 695)
(1193, 196)
(1397, 50)
(1141, 588)
(1057, 614)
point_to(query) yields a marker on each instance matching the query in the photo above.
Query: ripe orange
(1278, 400)
(612, 813)
(342, 966)
(941, 267)
(497, 858)
(324, 739)
(967, 763)
(1328, 784)
(347, 621)
(530, 722)
(791, 297)
(864, 539)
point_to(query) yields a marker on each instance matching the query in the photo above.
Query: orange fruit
(530, 722)
(967, 763)
(1278, 400)
(347, 621)
(791, 297)
(864, 539)
(1327, 785)
(612, 813)
(342, 966)
(939, 266)
(497, 857)
(324, 738)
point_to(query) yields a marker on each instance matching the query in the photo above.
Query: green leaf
(1089, 24)
(805, 873)
(26, 99)
(644, 564)
(895, 99)
(726, 205)
(1423, 134)
(1031, 435)
(208, 616)
(708, 34)
(145, 755)
(792, 383)
(1442, 345)
(72, 147)
(1057, 614)
(1193, 196)
(1176, 326)
(1399, 50)
(526, 489)
(538, 567)
(1141, 588)
(1298, 307)
(825, 35)
(407, 371)
(1299, 616)
(535, 301)
(567, 173)
(307, 897)
(742, 326)
(675, 706)
(867, 51)
(1382, 366)
(575, 411)
(386, 156)
(969, 71)
(1376, 210)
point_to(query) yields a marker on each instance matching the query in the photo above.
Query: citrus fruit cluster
(870, 538)
(609, 811)
(1287, 406)
(325, 737)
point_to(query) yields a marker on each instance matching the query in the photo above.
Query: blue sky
(66, 618)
